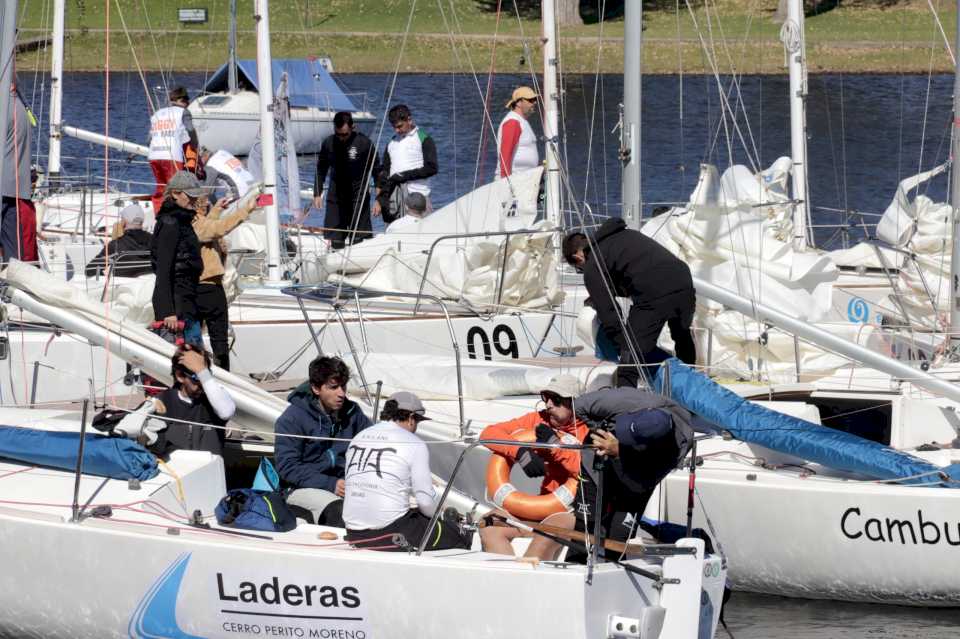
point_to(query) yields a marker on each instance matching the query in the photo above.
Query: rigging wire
(389, 98)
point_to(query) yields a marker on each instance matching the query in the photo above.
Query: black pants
(212, 310)
(343, 216)
(406, 532)
(645, 323)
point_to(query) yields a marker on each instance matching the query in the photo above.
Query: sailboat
(227, 112)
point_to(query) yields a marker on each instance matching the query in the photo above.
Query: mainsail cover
(113, 457)
(756, 424)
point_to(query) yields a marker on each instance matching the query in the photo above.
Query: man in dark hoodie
(637, 438)
(128, 248)
(175, 257)
(312, 470)
(624, 263)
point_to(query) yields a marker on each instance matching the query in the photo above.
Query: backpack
(255, 510)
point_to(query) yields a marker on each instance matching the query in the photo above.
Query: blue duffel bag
(255, 510)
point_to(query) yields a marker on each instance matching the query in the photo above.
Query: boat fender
(523, 505)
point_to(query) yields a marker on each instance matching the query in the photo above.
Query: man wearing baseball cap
(556, 422)
(175, 257)
(386, 465)
(516, 141)
(639, 436)
(129, 248)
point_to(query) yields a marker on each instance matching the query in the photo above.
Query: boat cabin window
(215, 100)
(869, 418)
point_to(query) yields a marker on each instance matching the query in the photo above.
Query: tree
(568, 12)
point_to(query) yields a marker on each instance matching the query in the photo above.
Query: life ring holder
(524, 505)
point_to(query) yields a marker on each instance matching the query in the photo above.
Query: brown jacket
(210, 230)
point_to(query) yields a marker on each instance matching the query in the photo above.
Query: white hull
(143, 572)
(822, 537)
(233, 126)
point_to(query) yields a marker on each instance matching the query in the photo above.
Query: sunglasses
(549, 397)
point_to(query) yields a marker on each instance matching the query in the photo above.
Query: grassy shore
(368, 36)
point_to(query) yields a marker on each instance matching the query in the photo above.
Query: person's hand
(340, 489)
(193, 361)
(605, 442)
(531, 464)
(318, 201)
(376, 208)
(219, 208)
(545, 434)
(170, 323)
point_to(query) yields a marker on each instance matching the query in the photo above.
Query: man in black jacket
(129, 250)
(627, 263)
(175, 257)
(352, 161)
(638, 437)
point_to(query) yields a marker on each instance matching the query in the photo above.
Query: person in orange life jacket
(627, 263)
(556, 423)
(196, 408)
(409, 161)
(172, 138)
(175, 257)
(128, 249)
(312, 470)
(516, 141)
(211, 228)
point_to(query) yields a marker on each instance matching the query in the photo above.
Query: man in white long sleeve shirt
(196, 408)
(387, 464)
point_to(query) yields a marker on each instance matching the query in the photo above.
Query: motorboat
(230, 120)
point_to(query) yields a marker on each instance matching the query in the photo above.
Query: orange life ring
(524, 505)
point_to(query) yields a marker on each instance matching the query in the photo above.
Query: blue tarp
(755, 424)
(309, 84)
(114, 457)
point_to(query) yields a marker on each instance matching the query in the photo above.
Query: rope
(181, 496)
(133, 51)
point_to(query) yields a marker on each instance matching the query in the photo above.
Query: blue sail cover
(309, 83)
(755, 424)
(113, 457)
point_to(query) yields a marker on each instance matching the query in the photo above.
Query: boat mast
(955, 201)
(265, 86)
(551, 99)
(56, 91)
(630, 120)
(232, 54)
(8, 35)
(794, 42)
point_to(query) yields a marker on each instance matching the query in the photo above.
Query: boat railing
(131, 259)
(594, 557)
(35, 382)
(337, 297)
(501, 272)
(891, 273)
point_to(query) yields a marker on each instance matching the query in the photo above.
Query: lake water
(866, 133)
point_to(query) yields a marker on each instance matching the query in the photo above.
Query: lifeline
(903, 531)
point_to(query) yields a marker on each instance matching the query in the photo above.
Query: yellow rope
(181, 496)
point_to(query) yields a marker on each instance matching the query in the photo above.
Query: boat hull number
(503, 341)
